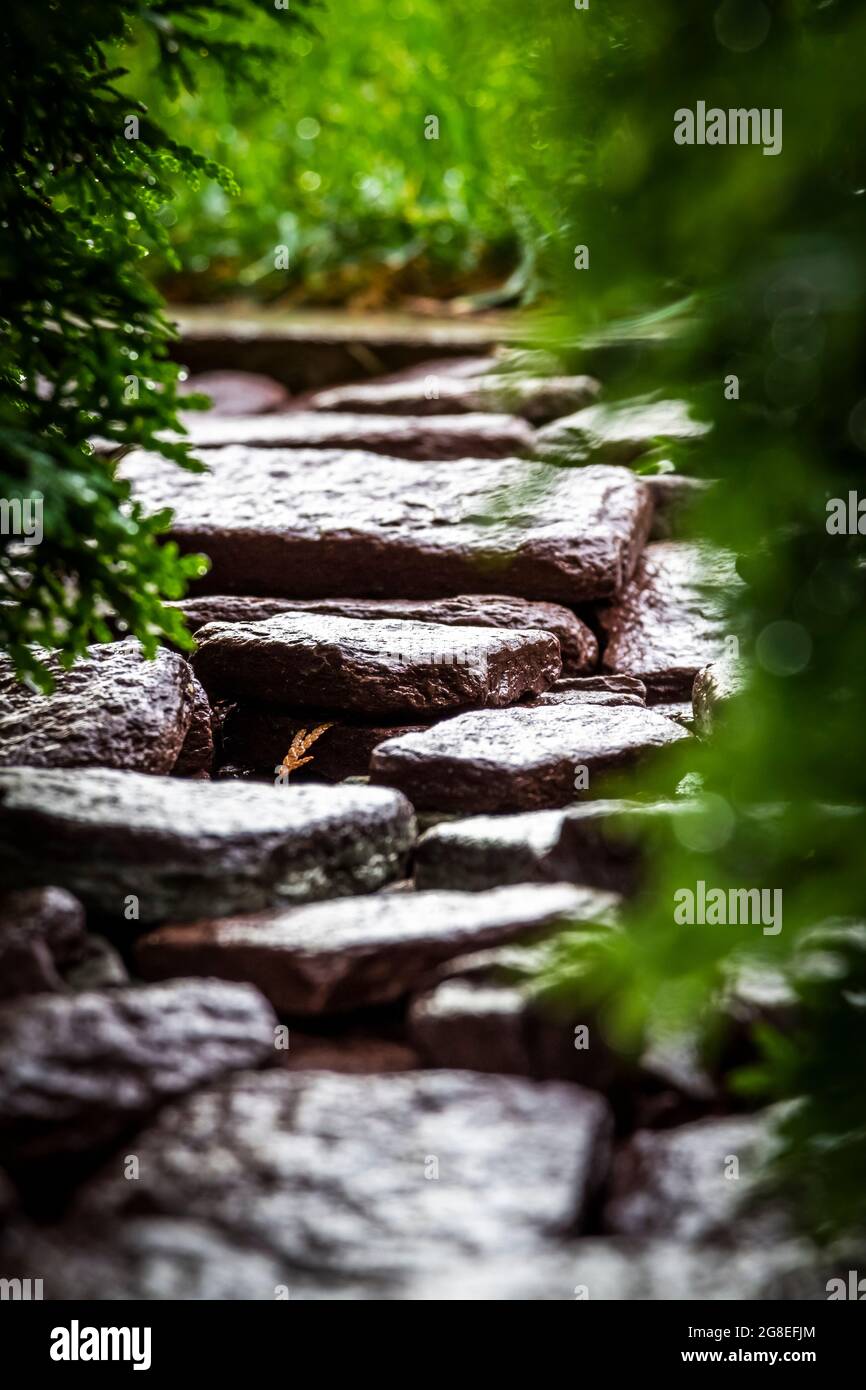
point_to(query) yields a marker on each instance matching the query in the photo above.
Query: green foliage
(83, 351)
(707, 261)
(335, 166)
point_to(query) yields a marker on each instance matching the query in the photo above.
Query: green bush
(707, 262)
(85, 175)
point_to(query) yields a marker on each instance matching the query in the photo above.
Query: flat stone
(425, 437)
(195, 758)
(605, 685)
(307, 349)
(672, 619)
(351, 953)
(115, 709)
(256, 737)
(380, 1178)
(78, 1070)
(138, 1259)
(357, 524)
(578, 644)
(185, 848)
(488, 851)
(679, 710)
(607, 843)
(618, 432)
(715, 690)
(391, 667)
(609, 698)
(536, 398)
(519, 759)
(235, 393)
(692, 1182)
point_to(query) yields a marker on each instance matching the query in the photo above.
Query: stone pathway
(272, 917)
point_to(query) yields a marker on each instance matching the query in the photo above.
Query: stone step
(578, 644)
(320, 524)
(520, 759)
(353, 953)
(535, 398)
(113, 709)
(383, 670)
(378, 1180)
(146, 848)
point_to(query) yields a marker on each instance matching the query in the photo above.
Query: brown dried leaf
(300, 743)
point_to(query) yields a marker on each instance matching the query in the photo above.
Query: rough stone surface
(518, 759)
(390, 667)
(185, 848)
(678, 1182)
(672, 619)
(578, 644)
(603, 685)
(488, 851)
(319, 524)
(608, 698)
(77, 1070)
(536, 398)
(399, 436)
(139, 1259)
(196, 756)
(678, 710)
(115, 709)
(618, 432)
(257, 737)
(715, 689)
(351, 952)
(328, 1172)
(608, 842)
(235, 393)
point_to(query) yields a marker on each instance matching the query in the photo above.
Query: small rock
(672, 619)
(77, 1070)
(578, 645)
(387, 668)
(114, 709)
(618, 432)
(488, 851)
(196, 755)
(351, 953)
(169, 848)
(348, 524)
(519, 759)
(235, 393)
(535, 398)
(41, 935)
(380, 1178)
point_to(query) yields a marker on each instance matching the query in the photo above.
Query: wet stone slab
(387, 668)
(235, 394)
(319, 524)
(184, 848)
(78, 1070)
(434, 437)
(536, 398)
(520, 759)
(114, 709)
(351, 953)
(375, 1177)
(673, 618)
(578, 644)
